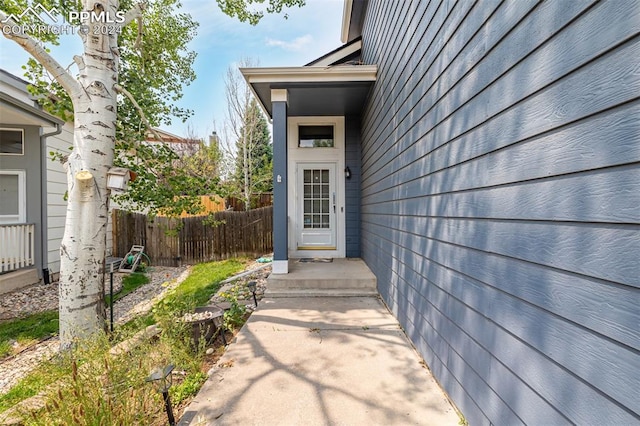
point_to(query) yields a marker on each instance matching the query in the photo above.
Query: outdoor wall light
(347, 173)
(161, 379)
(252, 288)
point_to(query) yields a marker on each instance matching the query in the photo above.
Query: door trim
(333, 155)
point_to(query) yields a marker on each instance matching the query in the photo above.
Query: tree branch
(138, 44)
(66, 80)
(135, 12)
(143, 117)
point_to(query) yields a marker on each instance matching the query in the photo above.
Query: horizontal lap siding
(352, 186)
(500, 200)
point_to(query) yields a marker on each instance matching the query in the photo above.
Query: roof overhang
(339, 90)
(338, 56)
(15, 112)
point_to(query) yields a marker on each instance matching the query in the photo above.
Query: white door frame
(333, 155)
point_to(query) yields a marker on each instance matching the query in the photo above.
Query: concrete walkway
(320, 361)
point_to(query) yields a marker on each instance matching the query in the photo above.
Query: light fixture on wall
(347, 173)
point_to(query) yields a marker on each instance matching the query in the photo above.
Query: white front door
(316, 206)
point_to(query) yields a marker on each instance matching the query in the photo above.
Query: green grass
(188, 388)
(27, 330)
(137, 324)
(202, 283)
(26, 388)
(129, 283)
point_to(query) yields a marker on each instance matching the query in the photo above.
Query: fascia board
(346, 20)
(343, 53)
(311, 74)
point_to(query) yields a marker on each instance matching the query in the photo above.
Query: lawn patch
(27, 330)
(130, 283)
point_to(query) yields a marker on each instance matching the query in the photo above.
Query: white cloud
(296, 44)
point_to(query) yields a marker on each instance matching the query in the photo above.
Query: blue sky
(309, 32)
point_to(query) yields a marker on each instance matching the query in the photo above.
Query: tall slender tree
(252, 155)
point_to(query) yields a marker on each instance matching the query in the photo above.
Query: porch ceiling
(318, 91)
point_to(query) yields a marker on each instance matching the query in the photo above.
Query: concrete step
(341, 277)
(322, 283)
(321, 293)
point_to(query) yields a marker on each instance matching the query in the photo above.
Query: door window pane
(316, 199)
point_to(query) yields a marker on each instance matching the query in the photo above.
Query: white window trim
(322, 153)
(14, 129)
(21, 217)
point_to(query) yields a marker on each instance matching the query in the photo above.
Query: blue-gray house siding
(500, 203)
(352, 157)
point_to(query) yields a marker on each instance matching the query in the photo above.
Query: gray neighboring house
(32, 187)
(483, 158)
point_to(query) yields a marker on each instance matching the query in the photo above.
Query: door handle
(334, 201)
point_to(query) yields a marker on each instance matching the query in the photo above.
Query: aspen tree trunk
(83, 248)
(245, 169)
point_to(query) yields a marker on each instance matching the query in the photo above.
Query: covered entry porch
(316, 113)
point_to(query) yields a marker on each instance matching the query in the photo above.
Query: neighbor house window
(315, 136)
(12, 194)
(11, 141)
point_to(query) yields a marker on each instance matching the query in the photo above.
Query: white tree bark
(83, 248)
(241, 126)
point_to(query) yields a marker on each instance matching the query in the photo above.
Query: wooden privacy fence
(190, 240)
(262, 200)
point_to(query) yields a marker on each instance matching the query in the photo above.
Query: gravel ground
(44, 297)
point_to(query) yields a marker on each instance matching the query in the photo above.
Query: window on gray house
(12, 141)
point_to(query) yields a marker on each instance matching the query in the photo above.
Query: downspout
(44, 202)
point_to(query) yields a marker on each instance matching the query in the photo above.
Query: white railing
(16, 246)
